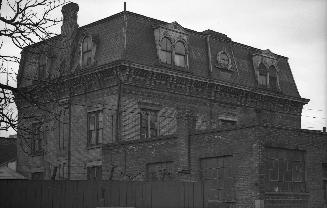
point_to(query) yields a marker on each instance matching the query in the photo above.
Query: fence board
(90, 194)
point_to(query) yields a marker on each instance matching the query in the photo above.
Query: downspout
(69, 134)
(209, 76)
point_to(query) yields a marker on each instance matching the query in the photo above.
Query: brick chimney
(69, 13)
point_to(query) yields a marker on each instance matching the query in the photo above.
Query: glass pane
(180, 60)
(92, 137)
(273, 82)
(92, 122)
(179, 48)
(262, 79)
(166, 57)
(100, 136)
(165, 44)
(100, 120)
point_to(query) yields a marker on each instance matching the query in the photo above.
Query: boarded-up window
(285, 170)
(218, 177)
(94, 173)
(161, 171)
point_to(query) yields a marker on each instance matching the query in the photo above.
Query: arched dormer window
(262, 76)
(166, 51)
(87, 51)
(180, 54)
(273, 78)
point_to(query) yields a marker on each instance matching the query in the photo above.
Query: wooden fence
(91, 194)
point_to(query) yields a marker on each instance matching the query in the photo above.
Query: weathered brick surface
(245, 145)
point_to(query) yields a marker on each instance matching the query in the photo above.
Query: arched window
(86, 51)
(180, 54)
(273, 78)
(166, 51)
(262, 78)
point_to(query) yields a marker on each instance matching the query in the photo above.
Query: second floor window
(37, 137)
(149, 123)
(95, 128)
(180, 55)
(86, 51)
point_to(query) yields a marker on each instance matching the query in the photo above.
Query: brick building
(134, 98)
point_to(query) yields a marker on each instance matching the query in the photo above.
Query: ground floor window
(160, 171)
(94, 173)
(216, 172)
(285, 170)
(37, 176)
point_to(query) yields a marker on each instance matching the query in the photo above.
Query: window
(180, 55)
(37, 137)
(42, 67)
(87, 51)
(262, 79)
(161, 171)
(273, 78)
(63, 171)
(216, 172)
(227, 122)
(95, 128)
(149, 124)
(94, 173)
(63, 129)
(37, 176)
(166, 51)
(285, 170)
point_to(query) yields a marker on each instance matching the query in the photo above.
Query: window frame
(97, 128)
(164, 51)
(94, 171)
(148, 123)
(37, 139)
(163, 165)
(173, 53)
(86, 53)
(180, 54)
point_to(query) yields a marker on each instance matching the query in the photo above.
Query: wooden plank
(198, 195)
(122, 194)
(130, 197)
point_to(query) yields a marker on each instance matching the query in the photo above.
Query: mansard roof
(138, 46)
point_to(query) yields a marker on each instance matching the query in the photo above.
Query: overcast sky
(296, 29)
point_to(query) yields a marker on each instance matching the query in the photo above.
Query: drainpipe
(209, 76)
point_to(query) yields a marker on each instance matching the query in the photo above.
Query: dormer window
(172, 45)
(262, 78)
(87, 51)
(273, 78)
(166, 51)
(180, 54)
(265, 67)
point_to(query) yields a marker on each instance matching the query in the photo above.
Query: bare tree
(22, 23)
